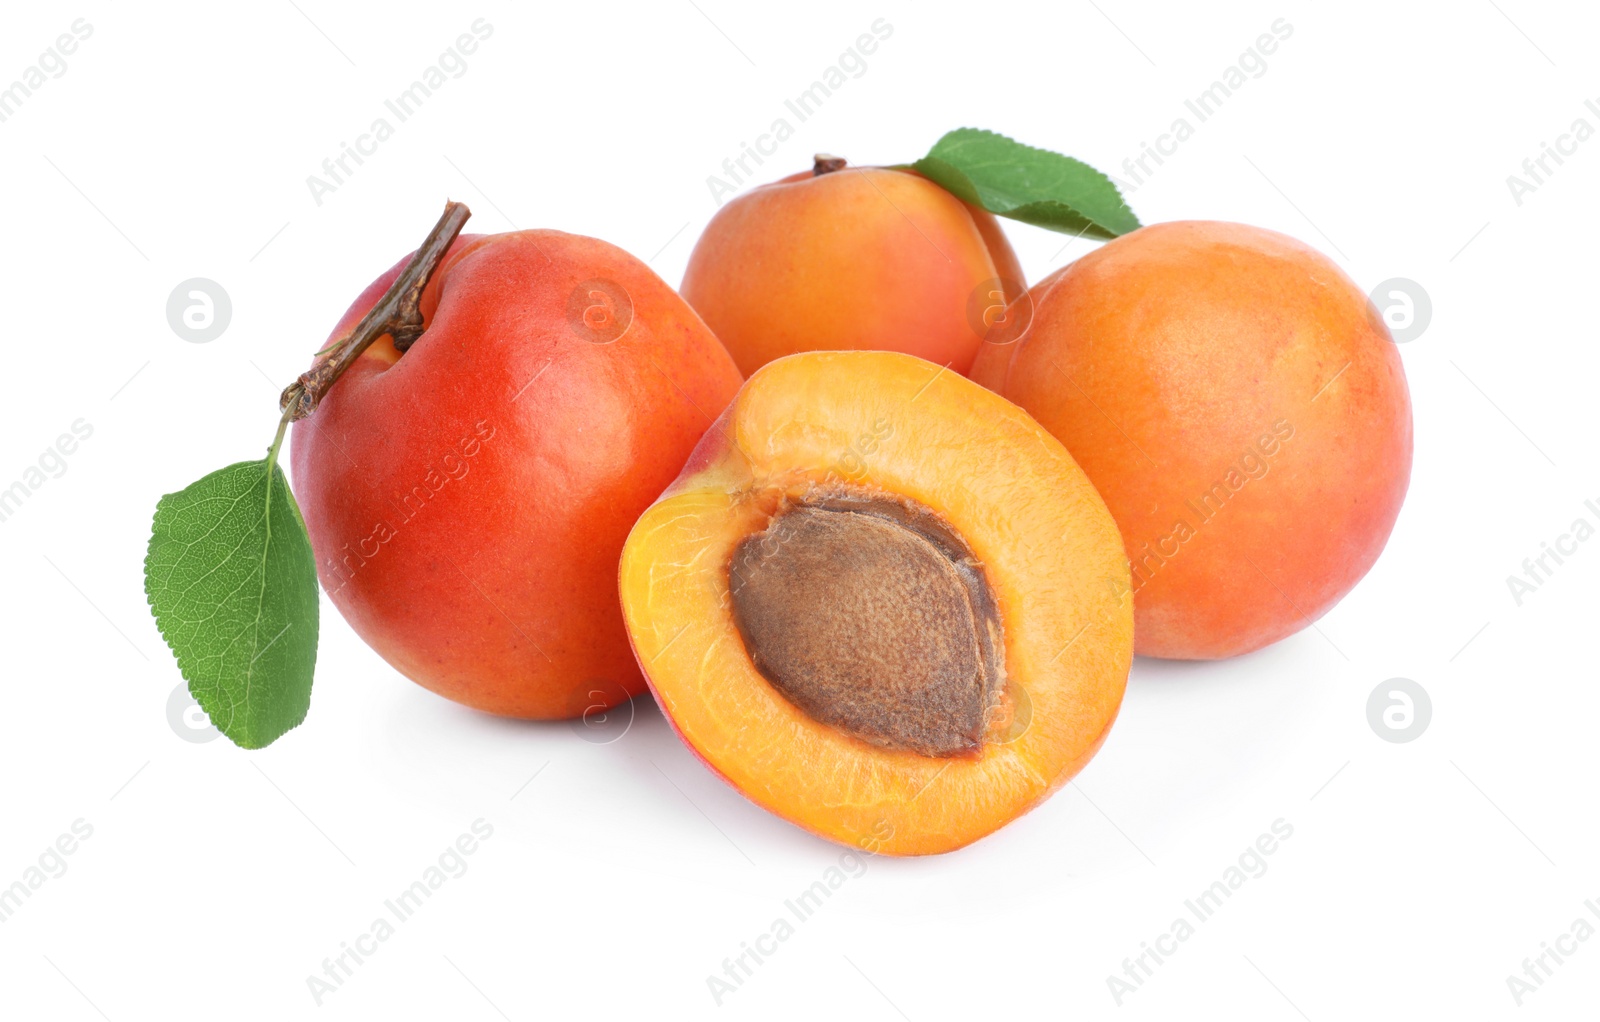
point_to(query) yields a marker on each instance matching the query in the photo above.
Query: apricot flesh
(1243, 411)
(467, 500)
(890, 728)
(851, 258)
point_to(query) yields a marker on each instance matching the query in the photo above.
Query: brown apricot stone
(873, 618)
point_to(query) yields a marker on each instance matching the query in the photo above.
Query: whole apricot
(880, 602)
(1239, 404)
(851, 258)
(468, 499)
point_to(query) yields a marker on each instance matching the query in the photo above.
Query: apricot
(880, 602)
(467, 500)
(851, 258)
(1243, 411)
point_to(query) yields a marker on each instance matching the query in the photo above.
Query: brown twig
(823, 163)
(398, 313)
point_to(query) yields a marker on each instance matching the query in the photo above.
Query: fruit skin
(1190, 354)
(468, 500)
(1050, 553)
(857, 259)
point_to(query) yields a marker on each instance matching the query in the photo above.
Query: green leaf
(1035, 186)
(233, 586)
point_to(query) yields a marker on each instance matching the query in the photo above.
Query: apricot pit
(872, 618)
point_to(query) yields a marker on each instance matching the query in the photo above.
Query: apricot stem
(822, 164)
(398, 313)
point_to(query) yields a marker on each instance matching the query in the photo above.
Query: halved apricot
(882, 602)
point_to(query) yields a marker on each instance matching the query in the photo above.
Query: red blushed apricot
(468, 500)
(882, 602)
(1243, 411)
(846, 258)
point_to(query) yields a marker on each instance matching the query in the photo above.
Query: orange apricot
(467, 499)
(851, 258)
(1242, 409)
(881, 602)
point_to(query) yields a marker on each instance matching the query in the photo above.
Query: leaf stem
(398, 314)
(277, 441)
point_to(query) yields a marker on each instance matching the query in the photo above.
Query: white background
(1418, 877)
